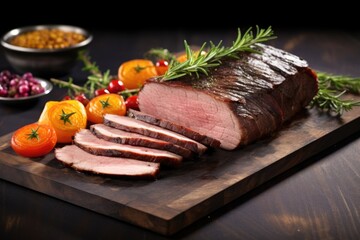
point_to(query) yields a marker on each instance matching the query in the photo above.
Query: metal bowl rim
(14, 32)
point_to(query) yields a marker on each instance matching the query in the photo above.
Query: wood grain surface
(182, 196)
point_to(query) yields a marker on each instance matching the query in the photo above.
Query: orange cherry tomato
(183, 57)
(66, 117)
(34, 140)
(134, 73)
(107, 103)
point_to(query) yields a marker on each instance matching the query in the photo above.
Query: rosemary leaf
(198, 63)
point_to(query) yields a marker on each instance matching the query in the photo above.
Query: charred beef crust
(263, 90)
(175, 128)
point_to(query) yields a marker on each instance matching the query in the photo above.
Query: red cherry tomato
(34, 140)
(101, 91)
(161, 66)
(82, 98)
(132, 102)
(115, 86)
(67, 97)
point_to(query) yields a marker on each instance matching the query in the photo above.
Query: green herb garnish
(156, 54)
(331, 89)
(201, 63)
(95, 80)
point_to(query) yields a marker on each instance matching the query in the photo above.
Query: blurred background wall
(181, 15)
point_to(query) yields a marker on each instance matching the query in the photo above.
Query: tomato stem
(139, 68)
(105, 103)
(33, 134)
(66, 117)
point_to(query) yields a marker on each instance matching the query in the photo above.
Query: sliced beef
(174, 127)
(240, 101)
(146, 129)
(92, 144)
(80, 160)
(123, 137)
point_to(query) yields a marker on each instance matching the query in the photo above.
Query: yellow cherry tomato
(66, 117)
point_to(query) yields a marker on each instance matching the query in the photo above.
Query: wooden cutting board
(181, 196)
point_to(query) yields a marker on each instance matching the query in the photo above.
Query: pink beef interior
(193, 109)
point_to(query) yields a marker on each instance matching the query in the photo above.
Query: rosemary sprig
(156, 54)
(339, 82)
(201, 63)
(331, 89)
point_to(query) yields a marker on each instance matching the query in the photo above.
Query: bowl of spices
(45, 50)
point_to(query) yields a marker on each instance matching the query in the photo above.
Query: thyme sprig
(95, 80)
(201, 63)
(331, 90)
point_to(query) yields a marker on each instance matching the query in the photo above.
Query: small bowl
(44, 63)
(28, 100)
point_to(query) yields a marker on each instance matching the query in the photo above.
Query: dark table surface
(318, 199)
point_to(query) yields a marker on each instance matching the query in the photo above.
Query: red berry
(115, 86)
(101, 91)
(67, 97)
(132, 102)
(82, 98)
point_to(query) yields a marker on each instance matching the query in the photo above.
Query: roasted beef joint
(240, 101)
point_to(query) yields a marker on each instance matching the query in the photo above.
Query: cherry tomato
(132, 102)
(134, 73)
(115, 86)
(82, 98)
(67, 97)
(161, 66)
(34, 140)
(101, 91)
(66, 117)
(183, 57)
(107, 103)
